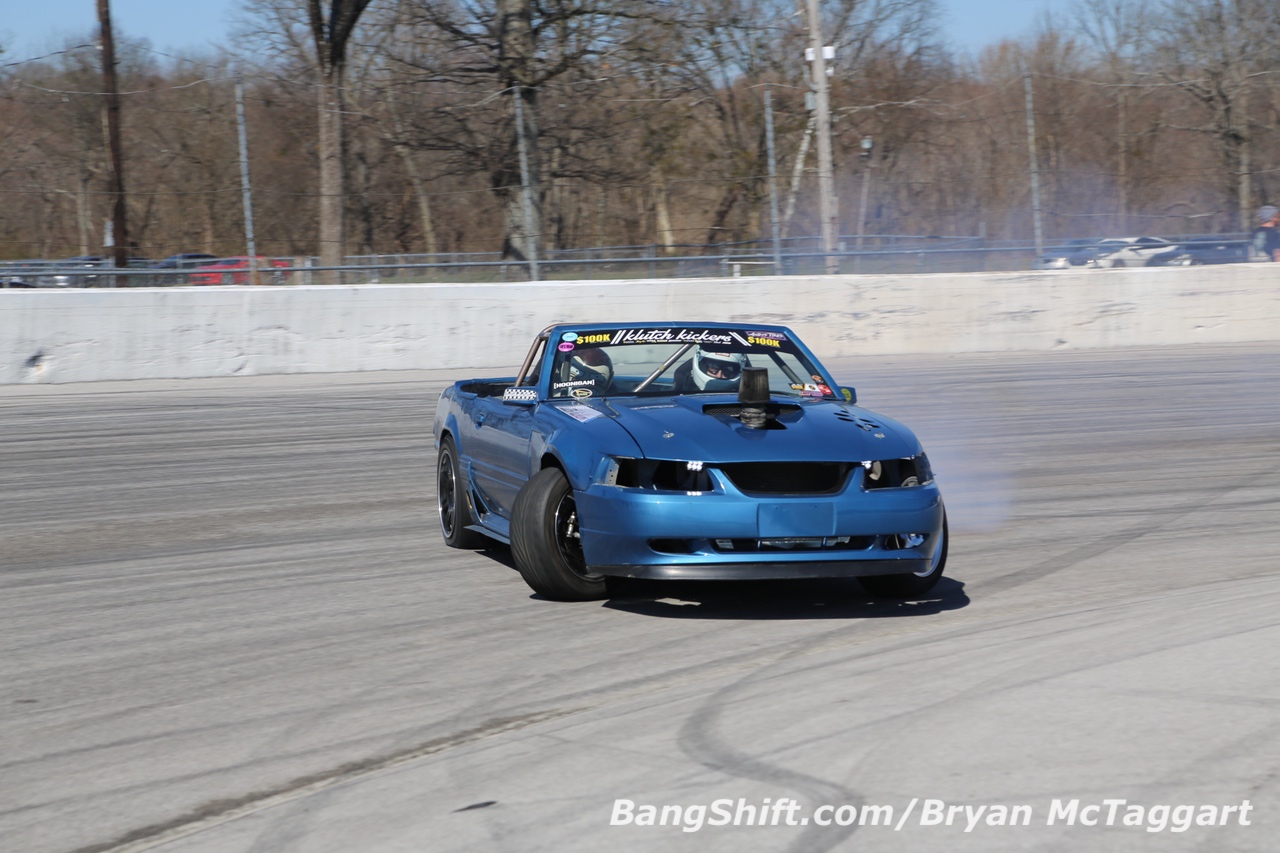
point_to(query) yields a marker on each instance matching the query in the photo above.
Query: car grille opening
(775, 545)
(795, 543)
(787, 478)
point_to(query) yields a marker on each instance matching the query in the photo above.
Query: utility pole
(526, 192)
(119, 226)
(1035, 163)
(774, 224)
(245, 185)
(868, 147)
(822, 112)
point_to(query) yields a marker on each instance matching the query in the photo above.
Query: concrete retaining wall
(88, 335)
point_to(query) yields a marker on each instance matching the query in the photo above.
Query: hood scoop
(754, 408)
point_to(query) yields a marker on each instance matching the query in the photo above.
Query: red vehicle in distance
(236, 271)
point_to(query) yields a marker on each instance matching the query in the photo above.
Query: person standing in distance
(1266, 237)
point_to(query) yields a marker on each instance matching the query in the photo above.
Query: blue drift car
(702, 451)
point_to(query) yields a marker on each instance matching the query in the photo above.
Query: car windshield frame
(643, 361)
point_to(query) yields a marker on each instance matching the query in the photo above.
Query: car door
(499, 457)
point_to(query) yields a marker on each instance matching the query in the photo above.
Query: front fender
(579, 447)
(446, 417)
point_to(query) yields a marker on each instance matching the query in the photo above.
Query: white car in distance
(1128, 251)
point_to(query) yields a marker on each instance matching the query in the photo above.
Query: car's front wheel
(454, 505)
(914, 584)
(546, 540)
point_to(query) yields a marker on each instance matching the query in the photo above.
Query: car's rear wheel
(914, 584)
(546, 540)
(453, 501)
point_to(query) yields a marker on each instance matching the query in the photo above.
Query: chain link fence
(881, 255)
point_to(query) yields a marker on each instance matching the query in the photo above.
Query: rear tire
(911, 585)
(546, 541)
(454, 501)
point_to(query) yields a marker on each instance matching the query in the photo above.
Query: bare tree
(1115, 30)
(1216, 52)
(488, 54)
(331, 28)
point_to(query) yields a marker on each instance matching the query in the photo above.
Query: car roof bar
(533, 350)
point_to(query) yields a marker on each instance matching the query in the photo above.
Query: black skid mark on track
(221, 811)
(699, 740)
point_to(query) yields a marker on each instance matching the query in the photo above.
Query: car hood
(691, 428)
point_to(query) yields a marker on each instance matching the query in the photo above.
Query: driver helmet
(717, 371)
(591, 364)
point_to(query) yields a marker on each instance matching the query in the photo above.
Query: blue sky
(30, 27)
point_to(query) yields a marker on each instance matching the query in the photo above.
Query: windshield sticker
(671, 336)
(581, 413)
(565, 347)
(574, 383)
(581, 393)
(720, 339)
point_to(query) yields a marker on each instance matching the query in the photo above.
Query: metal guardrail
(900, 254)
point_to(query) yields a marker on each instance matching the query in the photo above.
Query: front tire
(546, 541)
(911, 585)
(453, 500)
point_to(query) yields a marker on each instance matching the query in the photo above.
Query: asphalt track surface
(228, 623)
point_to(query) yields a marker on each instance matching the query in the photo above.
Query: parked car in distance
(65, 273)
(20, 273)
(71, 272)
(181, 263)
(1073, 253)
(236, 271)
(186, 260)
(1129, 251)
(1206, 250)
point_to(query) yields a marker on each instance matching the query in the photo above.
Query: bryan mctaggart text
(785, 811)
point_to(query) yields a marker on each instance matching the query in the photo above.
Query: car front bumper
(726, 535)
